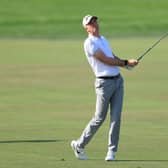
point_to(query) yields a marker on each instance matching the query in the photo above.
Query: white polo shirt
(91, 45)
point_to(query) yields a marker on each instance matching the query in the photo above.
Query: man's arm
(99, 55)
(129, 64)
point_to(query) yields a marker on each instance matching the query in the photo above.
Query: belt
(109, 77)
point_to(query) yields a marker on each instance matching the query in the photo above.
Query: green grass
(47, 87)
(47, 98)
(62, 19)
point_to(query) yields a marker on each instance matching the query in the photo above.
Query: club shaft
(139, 58)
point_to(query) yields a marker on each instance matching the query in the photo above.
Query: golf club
(139, 58)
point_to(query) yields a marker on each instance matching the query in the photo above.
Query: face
(93, 27)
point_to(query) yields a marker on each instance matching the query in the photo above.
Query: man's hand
(131, 64)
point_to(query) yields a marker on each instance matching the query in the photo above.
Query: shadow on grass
(136, 160)
(31, 141)
(117, 161)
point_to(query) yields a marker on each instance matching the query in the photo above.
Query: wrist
(125, 62)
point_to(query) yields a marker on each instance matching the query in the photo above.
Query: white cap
(87, 19)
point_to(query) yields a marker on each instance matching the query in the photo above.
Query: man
(108, 86)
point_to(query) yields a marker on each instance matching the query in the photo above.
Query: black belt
(109, 77)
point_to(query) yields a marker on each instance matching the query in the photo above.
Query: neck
(95, 34)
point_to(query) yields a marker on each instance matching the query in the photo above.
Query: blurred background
(62, 19)
(47, 87)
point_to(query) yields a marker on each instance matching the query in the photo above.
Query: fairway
(47, 97)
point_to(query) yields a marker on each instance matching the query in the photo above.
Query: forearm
(129, 62)
(110, 61)
(114, 61)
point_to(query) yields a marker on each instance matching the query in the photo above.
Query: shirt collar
(90, 35)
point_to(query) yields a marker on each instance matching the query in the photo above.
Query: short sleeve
(90, 47)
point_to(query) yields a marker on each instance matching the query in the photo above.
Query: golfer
(109, 88)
